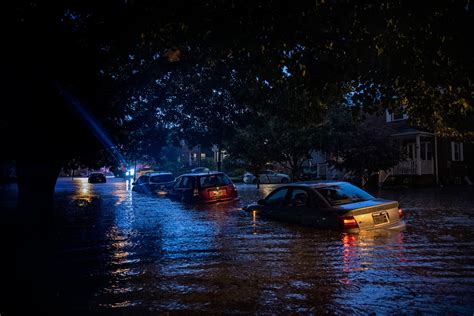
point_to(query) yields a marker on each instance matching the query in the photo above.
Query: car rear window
(161, 178)
(343, 193)
(214, 180)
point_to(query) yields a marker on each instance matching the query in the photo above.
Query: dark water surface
(121, 251)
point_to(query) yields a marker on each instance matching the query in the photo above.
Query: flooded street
(121, 251)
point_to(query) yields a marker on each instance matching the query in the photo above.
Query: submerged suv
(203, 188)
(153, 182)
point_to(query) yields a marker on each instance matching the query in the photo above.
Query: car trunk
(217, 193)
(371, 213)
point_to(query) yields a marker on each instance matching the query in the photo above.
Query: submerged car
(97, 177)
(267, 176)
(203, 188)
(329, 204)
(154, 182)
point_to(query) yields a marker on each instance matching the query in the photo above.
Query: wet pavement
(121, 251)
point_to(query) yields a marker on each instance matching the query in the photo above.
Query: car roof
(319, 184)
(151, 174)
(198, 174)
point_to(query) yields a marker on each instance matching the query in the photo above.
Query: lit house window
(397, 115)
(457, 153)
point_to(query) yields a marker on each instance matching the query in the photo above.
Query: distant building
(428, 159)
(193, 156)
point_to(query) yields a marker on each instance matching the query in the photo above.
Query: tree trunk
(219, 162)
(35, 234)
(199, 155)
(36, 182)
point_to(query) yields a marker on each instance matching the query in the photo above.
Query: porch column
(436, 158)
(418, 155)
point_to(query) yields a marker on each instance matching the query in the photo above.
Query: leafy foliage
(199, 69)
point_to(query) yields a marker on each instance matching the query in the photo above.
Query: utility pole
(199, 155)
(135, 171)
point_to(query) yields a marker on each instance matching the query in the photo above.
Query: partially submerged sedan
(329, 204)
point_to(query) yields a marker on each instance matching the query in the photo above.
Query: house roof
(409, 131)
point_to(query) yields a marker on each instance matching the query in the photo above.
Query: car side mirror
(261, 202)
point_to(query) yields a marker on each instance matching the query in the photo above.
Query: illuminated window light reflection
(254, 222)
(84, 187)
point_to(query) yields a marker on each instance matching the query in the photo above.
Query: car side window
(277, 198)
(161, 178)
(142, 179)
(299, 197)
(187, 183)
(177, 183)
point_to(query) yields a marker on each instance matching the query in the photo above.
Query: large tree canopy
(141, 65)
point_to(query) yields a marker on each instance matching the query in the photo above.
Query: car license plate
(380, 218)
(216, 193)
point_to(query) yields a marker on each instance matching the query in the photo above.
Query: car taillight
(400, 212)
(348, 222)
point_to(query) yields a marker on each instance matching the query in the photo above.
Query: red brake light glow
(348, 222)
(400, 212)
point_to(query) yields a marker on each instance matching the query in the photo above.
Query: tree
(358, 147)
(422, 60)
(253, 145)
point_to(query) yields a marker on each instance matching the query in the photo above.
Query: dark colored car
(203, 188)
(329, 204)
(97, 177)
(154, 182)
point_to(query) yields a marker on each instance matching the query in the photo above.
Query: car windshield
(213, 180)
(343, 193)
(161, 178)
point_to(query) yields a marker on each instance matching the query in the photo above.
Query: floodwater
(124, 252)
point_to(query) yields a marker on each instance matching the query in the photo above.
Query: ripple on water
(137, 253)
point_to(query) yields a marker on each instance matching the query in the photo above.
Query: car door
(265, 177)
(297, 208)
(184, 189)
(145, 184)
(321, 214)
(303, 207)
(270, 176)
(174, 192)
(274, 204)
(140, 184)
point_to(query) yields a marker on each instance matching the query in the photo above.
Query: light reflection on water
(146, 253)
